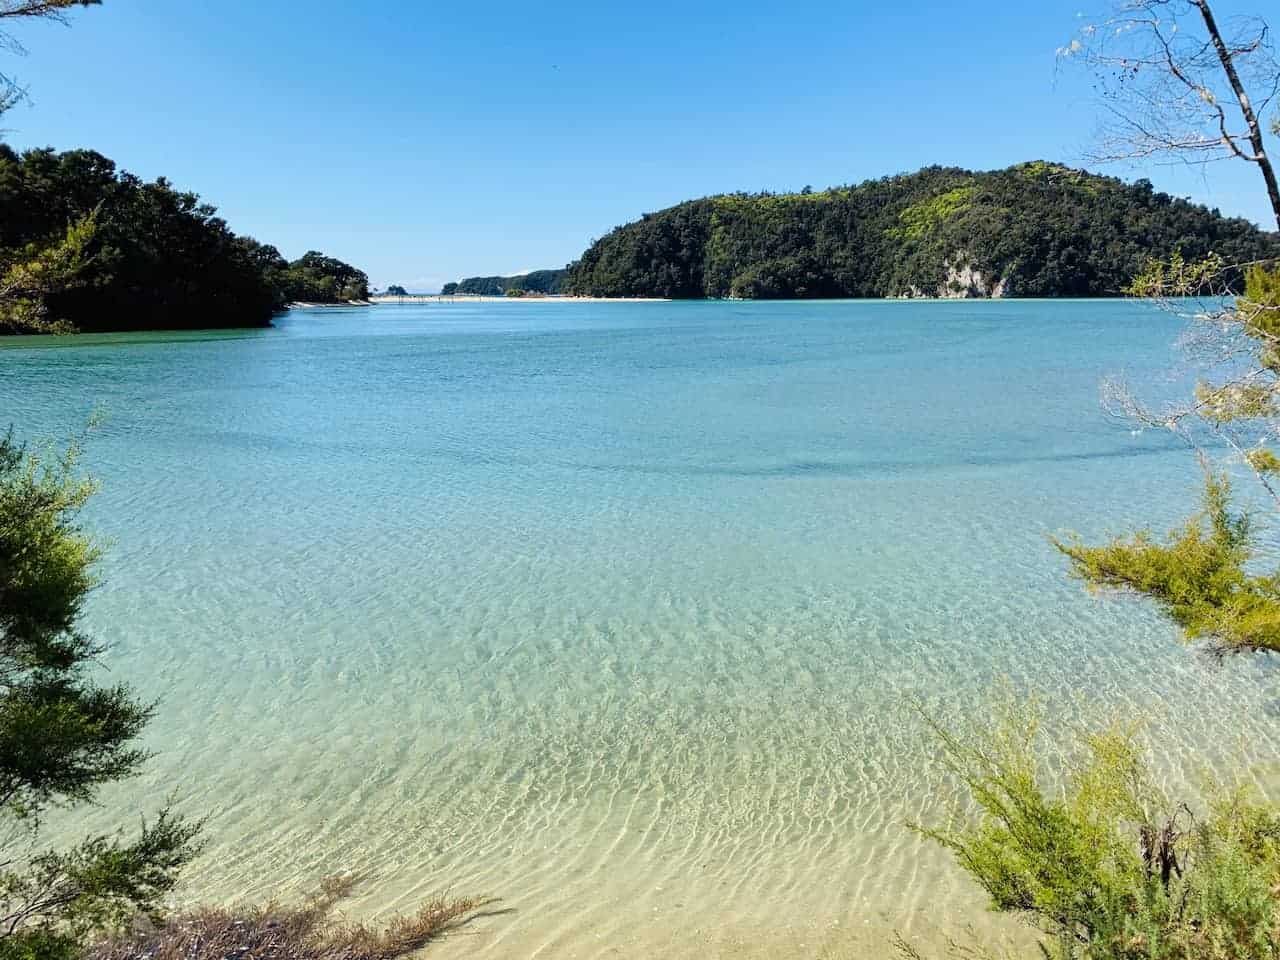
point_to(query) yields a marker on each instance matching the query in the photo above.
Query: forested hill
(538, 281)
(1033, 230)
(133, 255)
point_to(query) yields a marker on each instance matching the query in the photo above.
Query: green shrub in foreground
(1106, 866)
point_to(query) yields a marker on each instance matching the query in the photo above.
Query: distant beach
(477, 298)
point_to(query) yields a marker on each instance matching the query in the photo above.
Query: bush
(1107, 866)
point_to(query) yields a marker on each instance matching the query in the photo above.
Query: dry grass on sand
(306, 932)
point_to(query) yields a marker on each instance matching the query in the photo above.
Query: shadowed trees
(132, 254)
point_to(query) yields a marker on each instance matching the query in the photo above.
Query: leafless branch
(1173, 82)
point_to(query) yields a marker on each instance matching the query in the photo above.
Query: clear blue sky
(428, 141)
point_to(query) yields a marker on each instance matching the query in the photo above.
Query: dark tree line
(156, 257)
(1036, 229)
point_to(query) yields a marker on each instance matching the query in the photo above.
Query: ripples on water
(611, 610)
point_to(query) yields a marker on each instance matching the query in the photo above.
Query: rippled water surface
(610, 609)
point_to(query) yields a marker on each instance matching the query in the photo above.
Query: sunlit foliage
(1097, 857)
(63, 734)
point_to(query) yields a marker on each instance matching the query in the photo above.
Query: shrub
(308, 931)
(1106, 865)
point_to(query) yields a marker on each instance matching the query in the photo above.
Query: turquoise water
(611, 609)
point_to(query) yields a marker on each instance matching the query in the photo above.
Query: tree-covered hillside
(315, 278)
(539, 281)
(148, 256)
(1036, 229)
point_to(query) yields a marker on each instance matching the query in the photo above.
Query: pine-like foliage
(1105, 865)
(1205, 576)
(62, 734)
(1197, 574)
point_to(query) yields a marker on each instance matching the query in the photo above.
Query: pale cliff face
(962, 282)
(965, 281)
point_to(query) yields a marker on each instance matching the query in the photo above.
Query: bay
(612, 610)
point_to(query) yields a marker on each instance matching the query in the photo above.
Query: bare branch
(11, 92)
(46, 9)
(1173, 83)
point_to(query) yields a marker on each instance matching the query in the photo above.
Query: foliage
(306, 932)
(1037, 229)
(62, 735)
(1204, 575)
(140, 255)
(395, 290)
(1197, 575)
(160, 258)
(927, 216)
(30, 276)
(315, 278)
(539, 281)
(1105, 865)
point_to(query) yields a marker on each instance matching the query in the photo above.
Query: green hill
(1033, 230)
(539, 281)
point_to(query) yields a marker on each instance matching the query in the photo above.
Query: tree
(1034, 229)
(11, 92)
(536, 281)
(1174, 83)
(316, 278)
(150, 256)
(395, 290)
(32, 275)
(1202, 576)
(63, 734)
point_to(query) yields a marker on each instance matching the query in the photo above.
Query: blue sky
(429, 141)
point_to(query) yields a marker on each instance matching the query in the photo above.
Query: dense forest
(539, 281)
(315, 278)
(1033, 230)
(148, 256)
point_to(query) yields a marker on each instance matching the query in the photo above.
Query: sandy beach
(475, 298)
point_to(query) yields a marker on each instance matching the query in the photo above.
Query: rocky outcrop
(962, 282)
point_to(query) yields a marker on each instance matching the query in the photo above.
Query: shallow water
(611, 609)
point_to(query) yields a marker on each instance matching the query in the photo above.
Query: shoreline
(483, 298)
(478, 298)
(308, 305)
